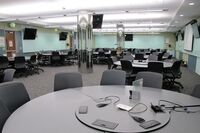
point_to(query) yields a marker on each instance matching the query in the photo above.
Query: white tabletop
(144, 64)
(55, 112)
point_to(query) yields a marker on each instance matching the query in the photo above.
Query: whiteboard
(188, 38)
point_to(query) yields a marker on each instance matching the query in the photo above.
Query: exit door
(10, 44)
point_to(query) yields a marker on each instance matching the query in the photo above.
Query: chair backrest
(4, 62)
(196, 91)
(176, 68)
(20, 62)
(13, 95)
(153, 57)
(4, 114)
(150, 79)
(160, 56)
(128, 57)
(139, 56)
(155, 67)
(126, 66)
(113, 77)
(8, 75)
(67, 80)
(33, 58)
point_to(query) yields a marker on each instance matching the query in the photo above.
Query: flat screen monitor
(30, 33)
(97, 21)
(63, 36)
(195, 30)
(128, 37)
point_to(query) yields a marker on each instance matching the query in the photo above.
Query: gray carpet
(41, 84)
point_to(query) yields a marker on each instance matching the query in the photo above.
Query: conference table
(56, 112)
(144, 63)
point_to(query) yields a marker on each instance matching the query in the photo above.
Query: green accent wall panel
(139, 41)
(44, 41)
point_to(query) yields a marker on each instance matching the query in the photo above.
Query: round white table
(144, 64)
(55, 112)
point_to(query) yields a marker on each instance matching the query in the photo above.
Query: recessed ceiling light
(181, 15)
(191, 3)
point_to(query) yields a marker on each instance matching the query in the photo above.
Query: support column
(84, 31)
(120, 39)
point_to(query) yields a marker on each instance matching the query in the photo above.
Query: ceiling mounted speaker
(12, 25)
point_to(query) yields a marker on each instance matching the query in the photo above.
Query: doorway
(10, 44)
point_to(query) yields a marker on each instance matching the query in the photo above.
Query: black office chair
(13, 95)
(172, 74)
(160, 56)
(128, 68)
(113, 77)
(34, 64)
(101, 58)
(4, 63)
(4, 114)
(155, 67)
(21, 66)
(55, 58)
(196, 91)
(150, 79)
(67, 80)
(139, 57)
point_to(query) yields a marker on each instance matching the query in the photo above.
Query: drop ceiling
(135, 15)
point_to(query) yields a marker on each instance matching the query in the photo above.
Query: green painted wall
(153, 41)
(44, 41)
(47, 39)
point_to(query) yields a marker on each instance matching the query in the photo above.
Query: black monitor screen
(29, 34)
(128, 37)
(63, 36)
(195, 30)
(97, 21)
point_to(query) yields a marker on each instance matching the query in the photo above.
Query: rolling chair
(128, 68)
(13, 95)
(113, 77)
(34, 64)
(55, 58)
(172, 74)
(67, 80)
(21, 66)
(155, 67)
(150, 79)
(4, 63)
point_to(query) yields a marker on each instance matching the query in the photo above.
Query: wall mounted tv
(29, 33)
(128, 37)
(63, 36)
(195, 30)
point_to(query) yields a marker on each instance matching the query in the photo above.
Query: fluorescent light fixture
(136, 25)
(191, 3)
(71, 19)
(133, 16)
(48, 6)
(181, 15)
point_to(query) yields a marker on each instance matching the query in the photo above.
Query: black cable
(173, 108)
(129, 112)
(118, 98)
